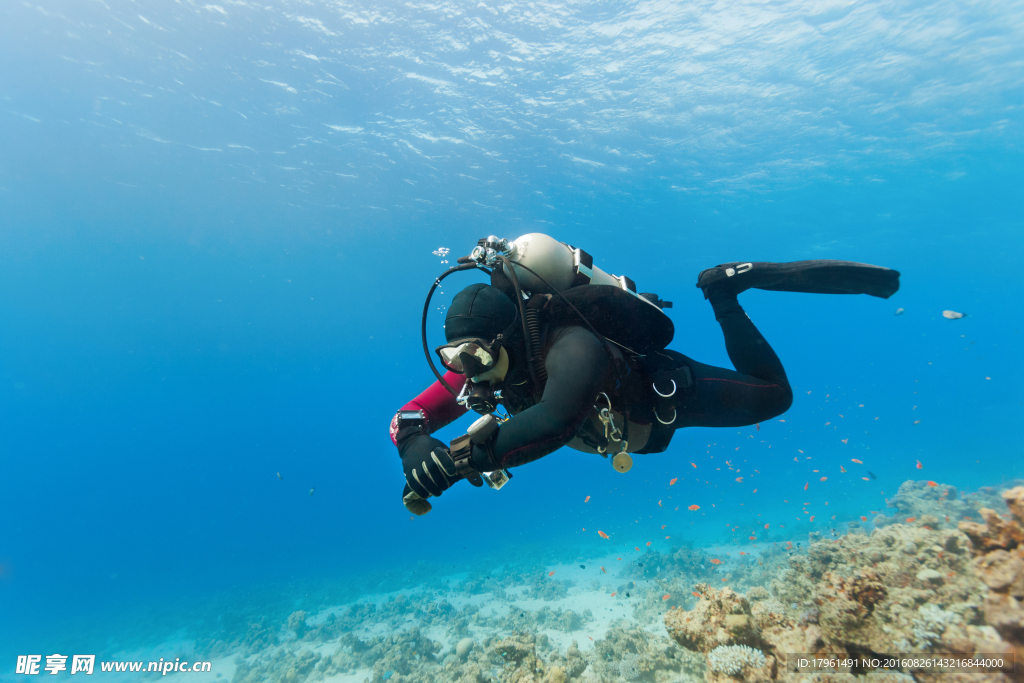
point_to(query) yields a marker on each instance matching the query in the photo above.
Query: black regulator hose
(533, 326)
(423, 321)
(531, 363)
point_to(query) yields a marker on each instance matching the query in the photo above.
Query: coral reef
(628, 652)
(998, 550)
(543, 588)
(297, 623)
(735, 659)
(940, 506)
(729, 628)
(629, 666)
(285, 666)
(906, 588)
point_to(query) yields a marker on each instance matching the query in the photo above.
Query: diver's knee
(780, 401)
(785, 399)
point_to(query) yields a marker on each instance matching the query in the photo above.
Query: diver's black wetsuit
(579, 368)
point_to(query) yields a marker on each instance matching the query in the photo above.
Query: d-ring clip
(654, 386)
(674, 415)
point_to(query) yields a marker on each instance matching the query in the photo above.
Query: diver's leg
(749, 352)
(757, 390)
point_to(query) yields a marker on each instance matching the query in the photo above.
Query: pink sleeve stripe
(437, 404)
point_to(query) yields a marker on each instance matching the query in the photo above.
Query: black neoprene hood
(480, 311)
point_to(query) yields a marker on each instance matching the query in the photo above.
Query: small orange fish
(932, 483)
(636, 549)
(659, 504)
(587, 499)
(715, 561)
(856, 461)
(603, 570)
(695, 594)
(739, 479)
(766, 526)
(742, 553)
(648, 542)
(673, 481)
(614, 594)
(602, 534)
(812, 518)
(863, 518)
(823, 479)
(753, 538)
(806, 485)
(591, 638)
(910, 519)
(844, 440)
(618, 558)
(694, 465)
(662, 526)
(666, 596)
(919, 465)
(842, 469)
(694, 507)
(865, 478)
(551, 573)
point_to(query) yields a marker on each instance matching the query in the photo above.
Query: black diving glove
(428, 466)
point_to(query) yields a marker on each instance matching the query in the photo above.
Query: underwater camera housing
(497, 478)
(461, 449)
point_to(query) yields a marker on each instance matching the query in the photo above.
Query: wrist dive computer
(411, 418)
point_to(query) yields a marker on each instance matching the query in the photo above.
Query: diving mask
(469, 356)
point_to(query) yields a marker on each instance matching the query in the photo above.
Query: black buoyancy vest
(619, 316)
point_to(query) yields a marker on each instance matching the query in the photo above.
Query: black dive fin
(815, 277)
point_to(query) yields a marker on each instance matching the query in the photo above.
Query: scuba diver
(576, 357)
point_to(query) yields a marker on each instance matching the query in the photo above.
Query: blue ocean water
(216, 233)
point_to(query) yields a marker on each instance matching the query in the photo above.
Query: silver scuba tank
(561, 265)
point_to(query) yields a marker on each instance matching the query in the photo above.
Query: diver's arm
(438, 405)
(577, 365)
